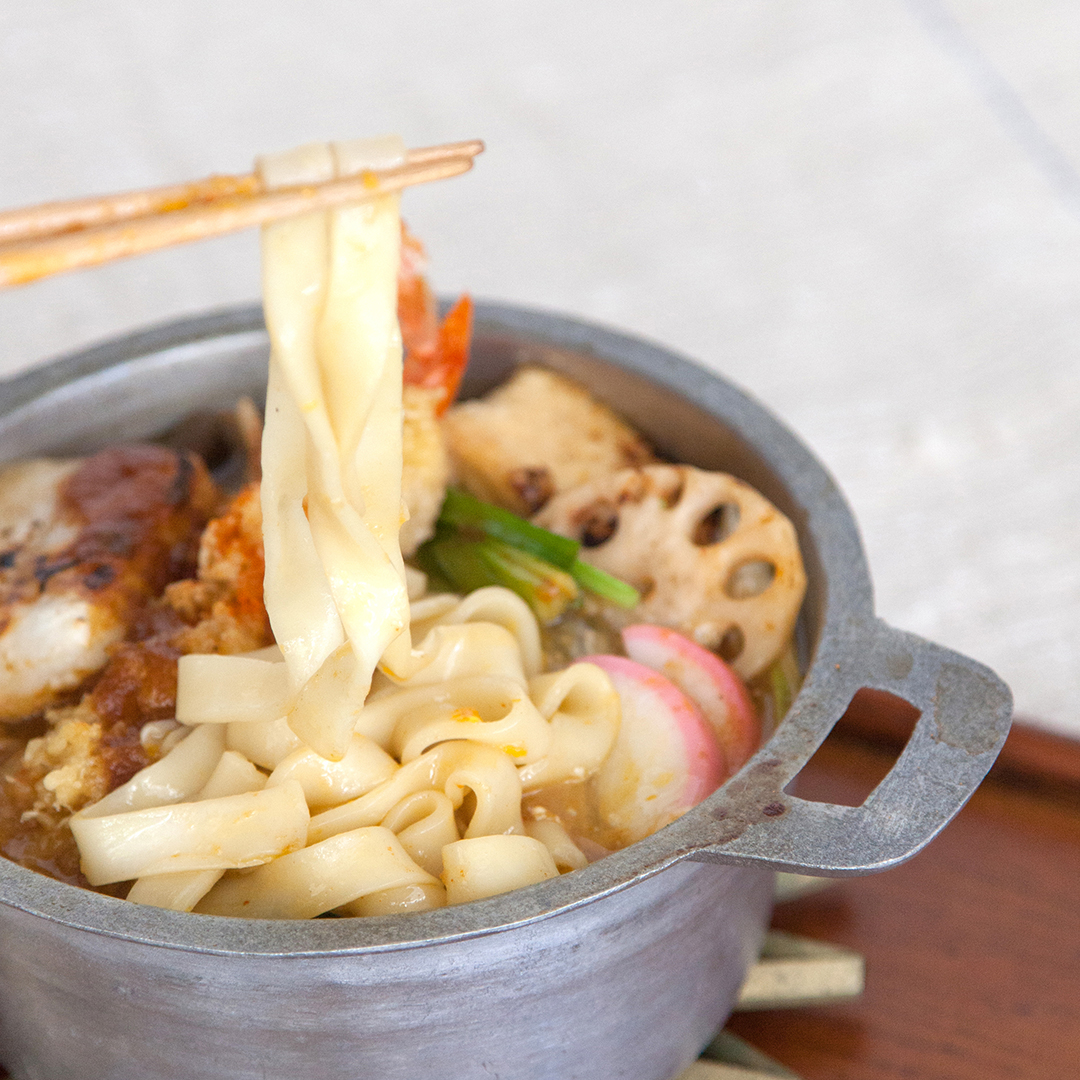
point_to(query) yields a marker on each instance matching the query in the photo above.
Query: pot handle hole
(964, 716)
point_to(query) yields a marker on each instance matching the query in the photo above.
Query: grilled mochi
(84, 544)
(537, 434)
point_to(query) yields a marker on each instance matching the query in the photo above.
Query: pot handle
(965, 712)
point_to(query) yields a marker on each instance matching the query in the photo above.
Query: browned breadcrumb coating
(223, 606)
(537, 434)
(95, 746)
(66, 762)
(86, 751)
(32, 832)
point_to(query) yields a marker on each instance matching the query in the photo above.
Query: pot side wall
(629, 986)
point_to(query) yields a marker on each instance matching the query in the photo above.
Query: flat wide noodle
(483, 866)
(331, 490)
(491, 604)
(176, 892)
(265, 742)
(181, 891)
(212, 689)
(567, 855)
(453, 768)
(583, 710)
(402, 900)
(425, 824)
(319, 878)
(212, 834)
(328, 783)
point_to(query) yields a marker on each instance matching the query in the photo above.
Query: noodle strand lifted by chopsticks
(331, 492)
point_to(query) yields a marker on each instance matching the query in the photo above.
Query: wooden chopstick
(50, 219)
(36, 242)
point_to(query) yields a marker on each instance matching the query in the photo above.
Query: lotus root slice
(711, 556)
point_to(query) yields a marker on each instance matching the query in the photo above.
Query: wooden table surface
(972, 948)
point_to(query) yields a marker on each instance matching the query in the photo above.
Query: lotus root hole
(717, 525)
(749, 579)
(731, 644)
(599, 524)
(672, 497)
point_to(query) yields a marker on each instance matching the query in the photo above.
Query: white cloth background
(866, 212)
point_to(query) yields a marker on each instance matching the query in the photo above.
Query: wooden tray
(972, 948)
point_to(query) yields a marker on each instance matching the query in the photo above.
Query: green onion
(604, 585)
(457, 564)
(467, 512)
(781, 691)
(471, 564)
(478, 544)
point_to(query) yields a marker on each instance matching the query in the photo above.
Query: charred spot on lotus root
(717, 525)
(597, 523)
(750, 578)
(731, 644)
(534, 484)
(45, 568)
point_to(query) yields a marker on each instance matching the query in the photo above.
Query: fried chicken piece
(96, 745)
(92, 747)
(84, 546)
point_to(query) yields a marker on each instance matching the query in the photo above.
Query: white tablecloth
(867, 212)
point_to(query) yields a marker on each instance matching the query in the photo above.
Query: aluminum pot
(623, 969)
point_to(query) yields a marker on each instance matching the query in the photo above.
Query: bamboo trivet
(791, 972)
